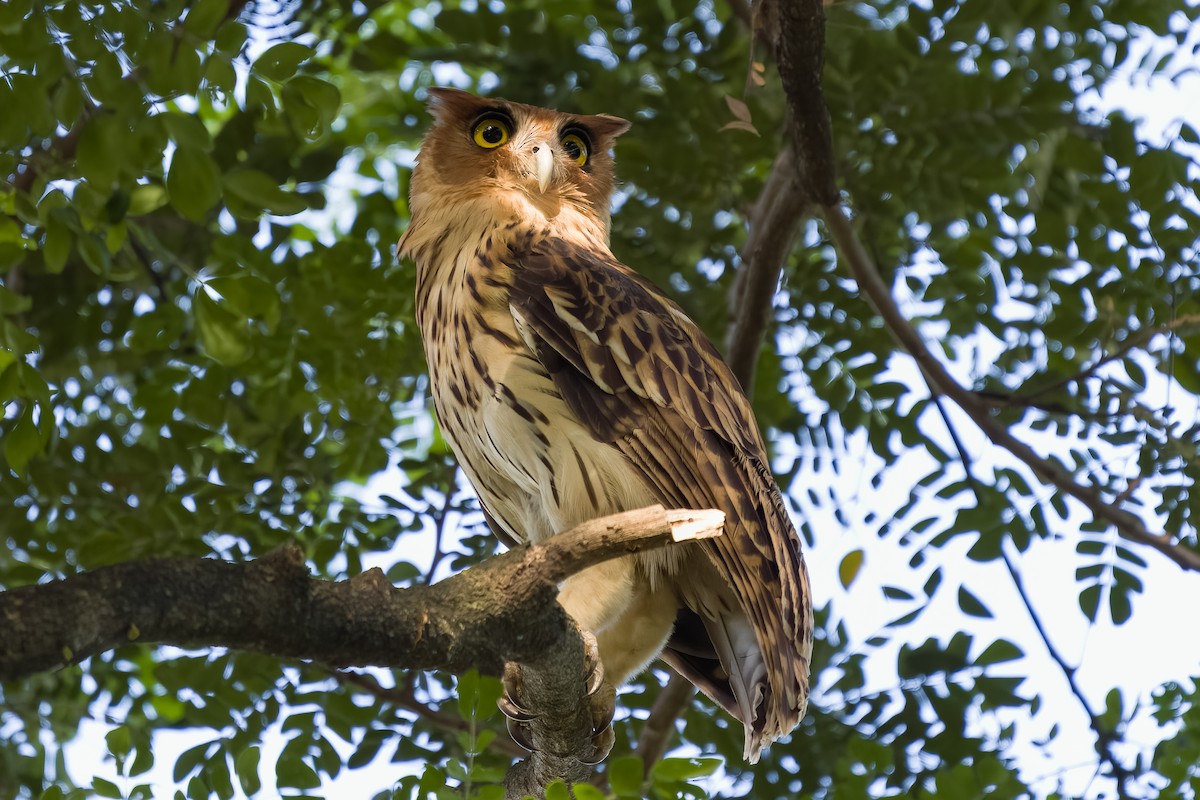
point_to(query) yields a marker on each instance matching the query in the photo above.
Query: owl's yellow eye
(491, 132)
(577, 148)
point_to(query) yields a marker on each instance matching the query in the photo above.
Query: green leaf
(189, 760)
(187, 130)
(585, 791)
(432, 780)
(971, 605)
(1119, 607)
(205, 15)
(246, 766)
(280, 62)
(998, 652)
(95, 254)
(119, 741)
(258, 190)
(468, 694)
(145, 198)
(686, 769)
(224, 335)
(22, 443)
(1089, 601)
(557, 790)
(103, 788)
(101, 149)
(1114, 710)
(13, 303)
(896, 593)
(218, 777)
(311, 103)
(850, 566)
(292, 772)
(193, 182)
(248, 296)
(625, 776)
(231, 37)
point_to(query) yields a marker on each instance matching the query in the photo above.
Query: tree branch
(502, 610)
(802, 174)
(1136, 340)
(774, 223)
(402, 698)
(797, 29)
(671, 703)
(1105, 739)
(801, 31)
(876, 291)
(552, 681)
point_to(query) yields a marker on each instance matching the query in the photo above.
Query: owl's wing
(644, 378)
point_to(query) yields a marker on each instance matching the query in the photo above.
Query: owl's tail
(717, 650)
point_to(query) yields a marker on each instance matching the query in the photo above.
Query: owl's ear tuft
(447, 104)
(606, 126)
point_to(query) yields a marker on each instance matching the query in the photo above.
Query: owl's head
(522, 158)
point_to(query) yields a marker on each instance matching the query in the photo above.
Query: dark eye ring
(491, 131)
(575, 143)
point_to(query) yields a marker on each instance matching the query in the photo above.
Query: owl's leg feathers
(599, 595)
(602, 698)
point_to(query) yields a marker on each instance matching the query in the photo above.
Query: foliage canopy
(207, 348)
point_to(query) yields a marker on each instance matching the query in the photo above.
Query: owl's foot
(602, 699)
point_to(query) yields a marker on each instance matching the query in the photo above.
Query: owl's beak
(543, 160)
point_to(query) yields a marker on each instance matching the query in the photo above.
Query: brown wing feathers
(647, 381)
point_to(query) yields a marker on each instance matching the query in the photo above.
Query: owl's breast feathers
(626, 365)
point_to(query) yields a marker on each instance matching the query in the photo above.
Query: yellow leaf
(849, 568)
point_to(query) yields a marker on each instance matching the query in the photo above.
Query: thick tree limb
(502, 610)
(797, 28)
(803, 174)
(552, 680)
(774, 223)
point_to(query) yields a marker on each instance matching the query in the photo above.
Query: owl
(571, 388)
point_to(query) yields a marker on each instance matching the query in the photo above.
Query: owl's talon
(593, 666)
(602, 704)
(508, 704)
(602, 745)
(513, 711)
(520, 733)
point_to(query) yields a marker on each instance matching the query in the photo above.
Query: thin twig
(1105, 739)
(404, 699)
(1136, 340)
(440, 527)
(674, 699)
